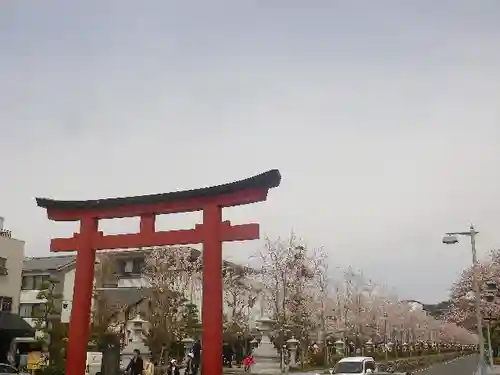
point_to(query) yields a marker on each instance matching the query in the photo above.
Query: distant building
(11, 263)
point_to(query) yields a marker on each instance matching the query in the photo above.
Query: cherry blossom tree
(463, 310)
(169, 273)
(368, 310)
(104, 312)
(288, 275)
(304, 298)
(239, 297)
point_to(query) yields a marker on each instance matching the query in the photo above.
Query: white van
(355, 365)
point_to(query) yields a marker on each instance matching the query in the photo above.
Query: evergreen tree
(191, 318)
(52, 332)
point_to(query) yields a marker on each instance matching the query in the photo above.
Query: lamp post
(451, 238)
(490, 296)
(385, 318)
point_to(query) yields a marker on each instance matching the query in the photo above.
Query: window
(138, 265)
(121, 267)
(3, 266)
(25, 310)
(349, 367)
(31, 310)
(6, 304)
(38, 310)
(129, 265)
(27, 283)
(35, 282)
(369, 365)
(40, 281)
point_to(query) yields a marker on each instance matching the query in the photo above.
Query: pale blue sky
(383, 117)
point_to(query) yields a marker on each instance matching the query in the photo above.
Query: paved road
(462, 366)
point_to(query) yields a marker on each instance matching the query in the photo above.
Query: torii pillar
(211, 234)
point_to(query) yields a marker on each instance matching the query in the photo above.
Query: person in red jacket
(248, 361)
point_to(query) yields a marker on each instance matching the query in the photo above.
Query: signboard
(35, 360)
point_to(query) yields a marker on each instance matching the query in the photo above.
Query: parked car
(8, 369)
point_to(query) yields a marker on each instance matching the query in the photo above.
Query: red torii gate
(211, 234)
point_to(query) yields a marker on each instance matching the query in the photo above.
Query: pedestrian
(190, 367)
(227, 355)
(149, 367)
(248, 361)
(172, 368)
(136, 364)
(196, 356)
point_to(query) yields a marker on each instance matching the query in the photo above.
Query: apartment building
(36, 271)
(128, 288)
(11, 263)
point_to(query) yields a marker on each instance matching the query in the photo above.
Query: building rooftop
(50, 263)
(126, 296)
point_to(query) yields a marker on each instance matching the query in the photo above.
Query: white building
(36, 271)
(11, 262)
(129, 288)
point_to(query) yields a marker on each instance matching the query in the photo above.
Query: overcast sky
(382, 116)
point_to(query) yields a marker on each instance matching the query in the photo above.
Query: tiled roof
(50, 263)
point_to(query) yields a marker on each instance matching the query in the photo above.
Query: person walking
(190, 366)
(196, 356)
(248, 362)
(149, 367)
(172, 368)
(136, 364)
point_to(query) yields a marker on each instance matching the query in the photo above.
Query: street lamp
(490, 296)
(385, 319)
(451, 238)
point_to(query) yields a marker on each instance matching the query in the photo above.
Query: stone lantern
(405, 347)
(137, 326)
(390, 346)
(188, 343)
(339, 347)
(267, 359)
(135, 337)
(292, 344)
(369, 346)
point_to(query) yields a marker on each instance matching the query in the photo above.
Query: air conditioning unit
(3, 271)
